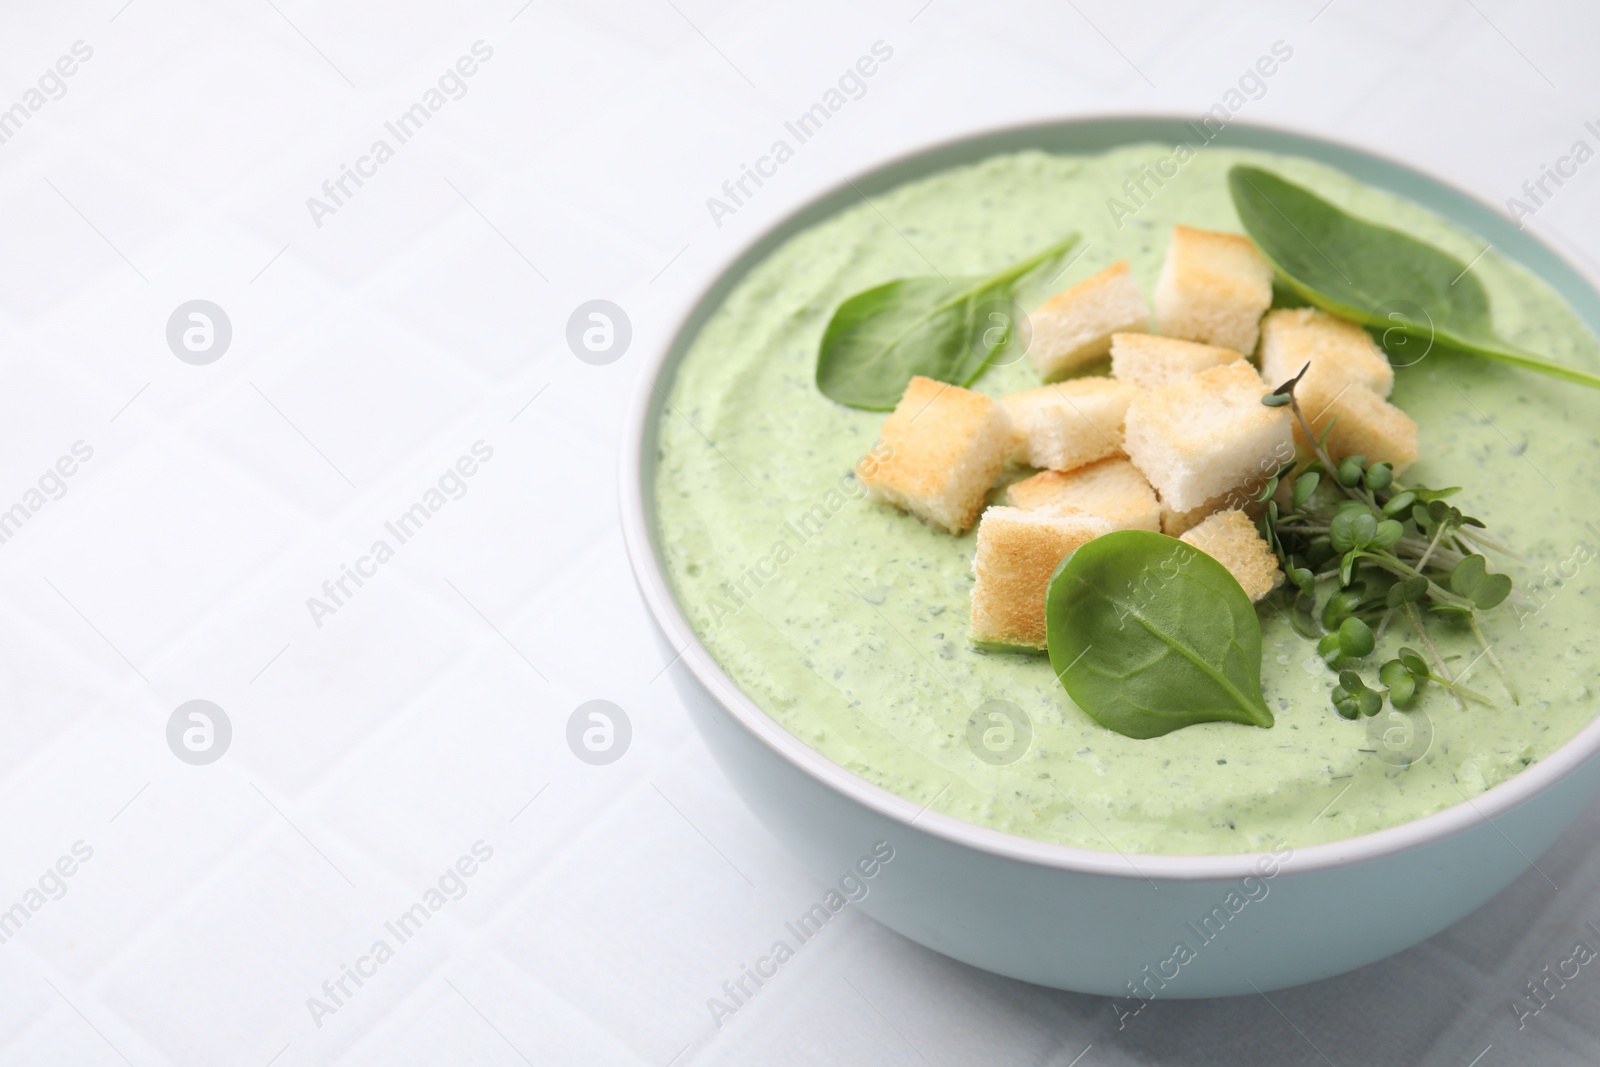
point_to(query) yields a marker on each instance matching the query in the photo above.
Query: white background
(429, 313)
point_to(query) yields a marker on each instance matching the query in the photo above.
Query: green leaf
(1148, 635)
(1304, 486)
(1356, 638)
(1387, 534)
(1287, 388)
(1414, 662)
(1346, 704)
(1402, 685)
(881, 338)
(1399, 504)
(1264, 527)
(1467, 574)
(1493, 589)
(1340, 604)
(1353, 527)
(1360, 271)
(1369, 702)
(1303, 579)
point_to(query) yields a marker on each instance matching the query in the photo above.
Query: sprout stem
(1488, 650)
(1438, 661)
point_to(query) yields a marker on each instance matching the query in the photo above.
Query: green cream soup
(846, 620)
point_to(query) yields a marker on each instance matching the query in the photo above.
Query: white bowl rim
(663, 605)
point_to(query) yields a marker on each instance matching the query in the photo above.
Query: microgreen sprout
(1388, 550)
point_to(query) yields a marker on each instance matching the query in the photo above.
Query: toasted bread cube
(946, 445)
(1364, 423)
(1018, 551)
(1336, 350)
(1240, 497)
(1230, 538)
(1214, 288)
(1111, 489)
(1074, 328)
(1202, 436)
(1070, 423)
(1150, 362)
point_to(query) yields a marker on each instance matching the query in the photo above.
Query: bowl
(1130, 926)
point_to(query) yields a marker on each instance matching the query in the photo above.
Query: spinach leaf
(1149, 635)
(1373, 275)
(948, 330)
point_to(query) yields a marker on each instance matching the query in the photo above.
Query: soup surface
(846, 620)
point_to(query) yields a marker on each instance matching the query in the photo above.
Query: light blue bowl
(1078, 919)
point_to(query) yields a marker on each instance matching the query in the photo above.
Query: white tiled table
(428, 712)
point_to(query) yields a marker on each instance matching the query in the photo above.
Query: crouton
(1364, 423)
(1241, 497)
(1070, 423)
(1150, 362)
(1018, 551)
(1213, 289)
(1111, 489)
(1075, 327)
(1202, 436)
(945, 446)
(1230, 538)
(1347, 378)
(1336, 350)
